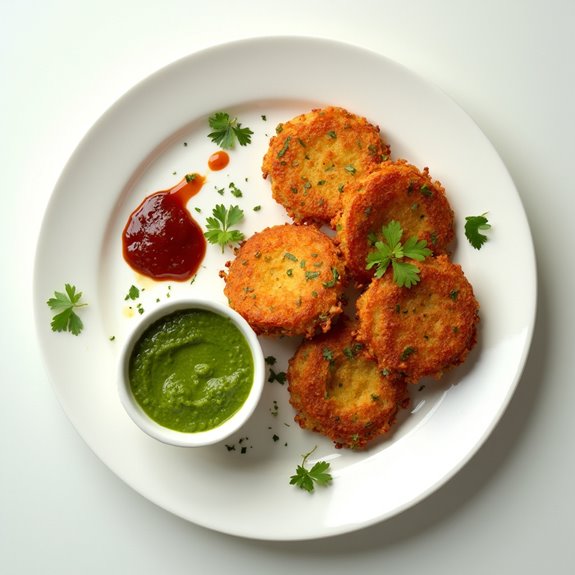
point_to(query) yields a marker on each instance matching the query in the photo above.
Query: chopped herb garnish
(133, 293)
(474, 225)
(291, 257)
(333, 280)
(280, 377)
(285, 147)
(349, 168)
(66, 319)
(218, 226)
(426, 191)
(226, 131)
(306, 479)
(327, 354)
(407, 352)
(311, 275)
(235, 190)
(392, 252)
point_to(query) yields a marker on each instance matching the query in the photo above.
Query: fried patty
(315, 156)
(424, 330)
(287, 280)
(339, 392)
(396, 191)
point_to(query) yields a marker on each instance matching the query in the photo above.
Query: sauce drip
(161, 240)
(218, 160)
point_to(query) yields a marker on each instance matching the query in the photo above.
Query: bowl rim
(200, 438)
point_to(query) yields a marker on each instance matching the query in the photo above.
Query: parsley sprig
(64, 304)
(306, 479)
(226, 131)
(392, 251)
(219, 224)
(474, 225)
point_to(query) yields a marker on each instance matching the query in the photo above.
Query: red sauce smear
(161, 240)
(218, 160)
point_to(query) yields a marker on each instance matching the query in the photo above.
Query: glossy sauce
(161, 239)
(191, 370)
(218, 160)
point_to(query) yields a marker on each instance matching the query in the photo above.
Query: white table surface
(509, 64)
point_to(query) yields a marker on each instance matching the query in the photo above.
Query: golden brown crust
(339, 392)
(287, 280)
(315, 156)
(424, 330)
(396, 191)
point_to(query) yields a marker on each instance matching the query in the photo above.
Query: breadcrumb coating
(287, 280)
(339, 392)
(315, 156)
(424, 330)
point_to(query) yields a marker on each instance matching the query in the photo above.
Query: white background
(509, 64)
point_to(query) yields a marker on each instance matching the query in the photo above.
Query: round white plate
(148, 141)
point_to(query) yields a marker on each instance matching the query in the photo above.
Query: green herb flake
(227, 131)
(285, 147)
(426, 191)
(307, 479)
(235, 191)
(291, 257)
(133, 293)
(474, 225)
(333, 281)
(65, 303)
(327, 354)
(406, 353)
(280, 376)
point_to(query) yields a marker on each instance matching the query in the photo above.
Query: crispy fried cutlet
(339, 392)
(424, 330)
(314, 157)
(396, 191)
(287, 280)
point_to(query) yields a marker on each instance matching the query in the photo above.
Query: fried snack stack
(350, 376)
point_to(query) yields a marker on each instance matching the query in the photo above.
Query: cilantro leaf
(133, 293)
(226, 131)
(392, 251)
(392, 234)
(306, 479)
(474, 225)
(64, 304)
(218, 225)
(416, 249)
(405, 274)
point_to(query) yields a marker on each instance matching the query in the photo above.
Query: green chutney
(191, 370)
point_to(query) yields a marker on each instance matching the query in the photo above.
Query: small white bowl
(200, 438)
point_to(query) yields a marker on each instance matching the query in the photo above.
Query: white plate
(157, 133)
